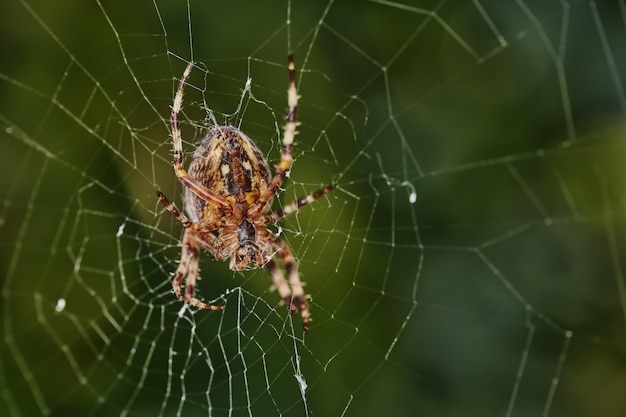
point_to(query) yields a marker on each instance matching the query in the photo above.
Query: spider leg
(295, 299)
(280, 284)
(295, 205)
(173, 210)
(189, 266)
(203, 229)
(182, 175)
(288, 137)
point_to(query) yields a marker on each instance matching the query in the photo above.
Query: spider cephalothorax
(228, 194)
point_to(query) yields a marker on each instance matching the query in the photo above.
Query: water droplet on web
(60, 305)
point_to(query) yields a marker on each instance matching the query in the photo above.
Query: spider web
(470, 263)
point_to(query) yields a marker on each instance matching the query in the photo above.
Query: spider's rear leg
(189, 266)
(286, 157)
(183, 176)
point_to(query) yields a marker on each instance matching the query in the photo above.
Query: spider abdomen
(228, 163)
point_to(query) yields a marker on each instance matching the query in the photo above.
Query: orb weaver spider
(228, 195)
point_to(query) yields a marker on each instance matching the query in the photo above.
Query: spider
(228, 197)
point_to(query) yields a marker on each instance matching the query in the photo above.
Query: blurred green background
(498, 291)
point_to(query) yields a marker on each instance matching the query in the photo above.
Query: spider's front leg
(188, 266)
(294, 297)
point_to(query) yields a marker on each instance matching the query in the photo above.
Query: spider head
(247, 255)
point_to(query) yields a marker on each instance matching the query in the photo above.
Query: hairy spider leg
(295, 205)
(195, 227)
(294, 297)
(188, 265)
(288, 137)
(173, 210)
(182, 175)
(280, 283)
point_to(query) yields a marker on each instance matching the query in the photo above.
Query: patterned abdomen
(228, 163)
